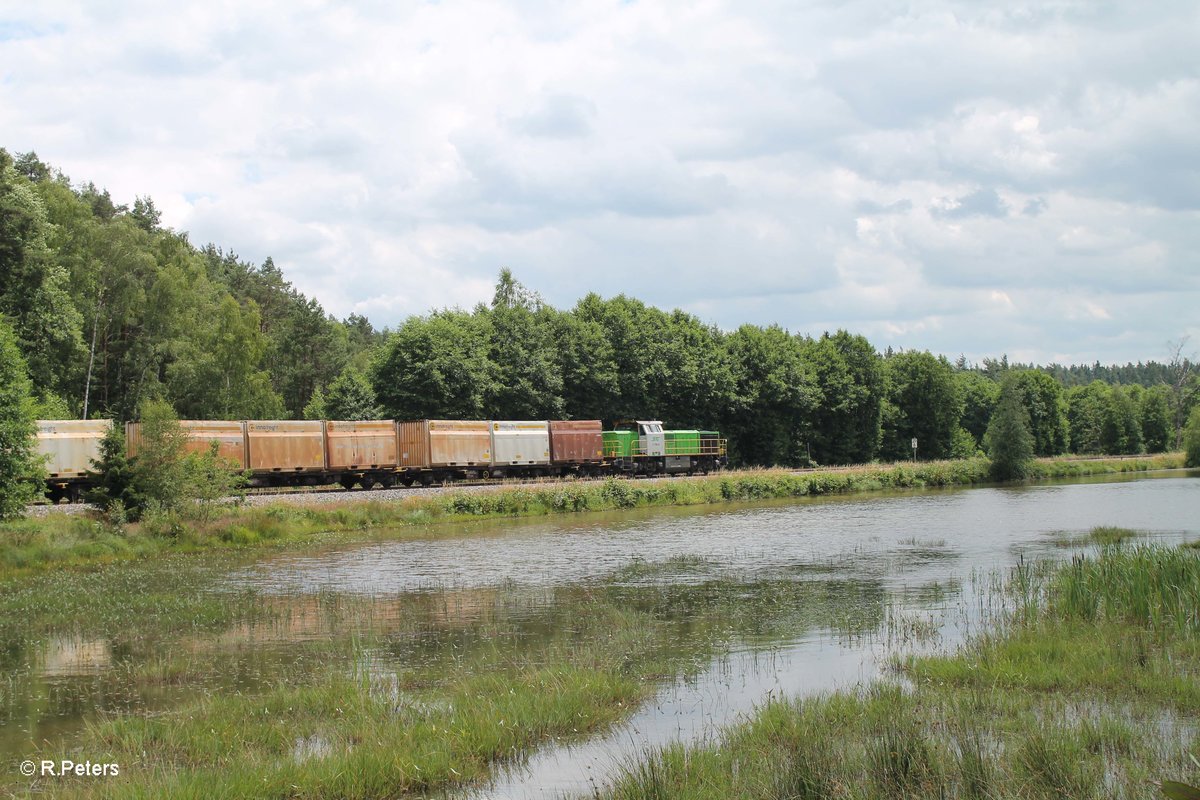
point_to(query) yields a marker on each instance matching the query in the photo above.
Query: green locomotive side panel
(619, 444)
(682, 443)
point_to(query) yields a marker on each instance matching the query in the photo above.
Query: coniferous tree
(1009, 440)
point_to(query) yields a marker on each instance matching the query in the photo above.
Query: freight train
(386, 452)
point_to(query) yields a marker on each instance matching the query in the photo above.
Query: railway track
(335, 493)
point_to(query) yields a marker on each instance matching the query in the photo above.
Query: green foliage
(850, 377)
(1009, 441)
(435, 367)
(115, 487)
(670, 366)
(1046, 404)
(979, 395)
(964, 445)
(218, 372)
(1085, 417)
(1191, 438)
(33, 288)
(162, 481)
(775, 395)
(923, 402)
(528, 380)
(1121, 430)
(21, 470)
(1154, 412)
(350, 397)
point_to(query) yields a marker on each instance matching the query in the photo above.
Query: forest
(108, 310)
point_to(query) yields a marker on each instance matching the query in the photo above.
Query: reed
(1092, 695)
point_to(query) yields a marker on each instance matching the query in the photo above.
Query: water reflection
(745, 604)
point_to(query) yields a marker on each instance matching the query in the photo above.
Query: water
(754, 602)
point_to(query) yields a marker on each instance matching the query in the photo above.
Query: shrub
(1191, 439)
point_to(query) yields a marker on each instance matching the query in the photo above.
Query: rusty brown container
(285, 445)
(412, 442)
(363, 444)
(71, 445)
(576, 441)
(431, 443)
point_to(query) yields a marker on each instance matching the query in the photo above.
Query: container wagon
(434, 450)
(69, 447)
(520, 449)
(295, 452)
(577, 446)
(361, 452)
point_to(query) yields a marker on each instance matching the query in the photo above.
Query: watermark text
(65, 768)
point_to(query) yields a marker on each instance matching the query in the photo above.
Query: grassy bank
(52, 540)
(1088, 689)
(386, 697)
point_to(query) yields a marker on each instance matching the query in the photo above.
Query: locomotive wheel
(407, 480)
(347, 482)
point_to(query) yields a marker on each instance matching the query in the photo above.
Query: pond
(749, 602)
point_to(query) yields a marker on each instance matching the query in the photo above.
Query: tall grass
(1089, 693)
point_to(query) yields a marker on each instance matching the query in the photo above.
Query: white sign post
(914, 449)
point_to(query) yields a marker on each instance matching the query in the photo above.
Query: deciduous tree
(21, 470)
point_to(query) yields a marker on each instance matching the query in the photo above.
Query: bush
(1191, 439)
(161, 477)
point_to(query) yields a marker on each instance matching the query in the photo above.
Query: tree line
(108, 311)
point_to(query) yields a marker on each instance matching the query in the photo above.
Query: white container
(71, 444)
(518, 443)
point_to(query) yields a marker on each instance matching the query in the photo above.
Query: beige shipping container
(230, 437)
(285, 445)
(365, 444)
(429, 443)
(520, 443)
(71, 445)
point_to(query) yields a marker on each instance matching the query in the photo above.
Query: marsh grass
(72, 540)
(1087, 689)
(392, 697)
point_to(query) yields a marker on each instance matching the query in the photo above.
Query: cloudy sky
(975, 178)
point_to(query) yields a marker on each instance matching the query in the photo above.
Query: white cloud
(964, 177)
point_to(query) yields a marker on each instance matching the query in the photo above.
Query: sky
(969, 178)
